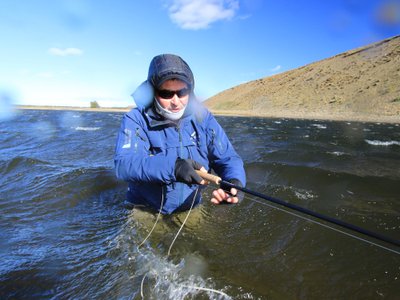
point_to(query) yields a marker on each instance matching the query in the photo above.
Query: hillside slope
(361, 84)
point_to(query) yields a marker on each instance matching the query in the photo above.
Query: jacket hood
(162, 68)
(169, 66)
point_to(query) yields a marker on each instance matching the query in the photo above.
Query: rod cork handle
(209, 177)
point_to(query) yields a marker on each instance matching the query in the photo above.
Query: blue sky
(71, 52)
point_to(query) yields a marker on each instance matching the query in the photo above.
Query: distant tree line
(94, 104)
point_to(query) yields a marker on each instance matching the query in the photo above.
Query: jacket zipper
(178, 128)
(216, 140)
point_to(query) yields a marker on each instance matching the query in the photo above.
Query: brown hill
(361, 84)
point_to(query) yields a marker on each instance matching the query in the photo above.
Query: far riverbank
(75, 108)
(274, 113)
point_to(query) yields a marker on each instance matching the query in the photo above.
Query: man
(167, 137)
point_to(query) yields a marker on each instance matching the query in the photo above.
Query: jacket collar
(155, 120)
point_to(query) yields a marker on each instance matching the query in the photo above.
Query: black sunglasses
(166, 94)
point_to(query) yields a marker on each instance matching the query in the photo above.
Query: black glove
(185, 171)
(227, 188)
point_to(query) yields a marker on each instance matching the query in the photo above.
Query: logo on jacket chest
(193, 138)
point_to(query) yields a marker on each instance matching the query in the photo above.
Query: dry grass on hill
(361, 84)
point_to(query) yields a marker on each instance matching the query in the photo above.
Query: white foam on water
(304, 195)
(336, 153)
(87, 128)
(382, 143)
(320, 126)
(69, 120)
(161, 277)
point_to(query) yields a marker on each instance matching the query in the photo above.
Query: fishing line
(323, 225)
(158, 217)
(141, 286)
(199, 288)
(225, 184)
(183, 223)
(170, 247)
(206, 289)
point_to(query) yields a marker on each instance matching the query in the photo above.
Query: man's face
(173, 95)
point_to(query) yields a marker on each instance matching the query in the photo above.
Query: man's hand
(231, 196)
(185, 171)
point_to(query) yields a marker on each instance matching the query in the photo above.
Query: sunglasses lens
(182, 93)
(166, 94)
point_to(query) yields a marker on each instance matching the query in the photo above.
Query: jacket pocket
(216, 142)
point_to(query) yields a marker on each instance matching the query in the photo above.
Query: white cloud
(244, 17)
(199, 14)
(65, 51)
(276, 69)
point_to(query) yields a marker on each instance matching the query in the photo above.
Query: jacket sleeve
(223, 157)
(133, 159)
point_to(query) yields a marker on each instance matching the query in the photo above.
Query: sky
(72, 52)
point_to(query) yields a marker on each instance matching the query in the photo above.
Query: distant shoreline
(307, 115)
(75, 108)
(310, 115)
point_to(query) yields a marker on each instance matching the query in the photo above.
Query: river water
(65, 233)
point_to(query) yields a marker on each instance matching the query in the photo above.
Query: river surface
(66, 234)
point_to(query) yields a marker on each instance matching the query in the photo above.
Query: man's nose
(175, 100)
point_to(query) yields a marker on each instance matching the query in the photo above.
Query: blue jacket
(148, 146)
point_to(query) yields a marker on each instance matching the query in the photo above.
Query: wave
(382, 143)
(8, 166)
(36, 181)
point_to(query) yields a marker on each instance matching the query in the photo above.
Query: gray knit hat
(169, 66)
(162, 68)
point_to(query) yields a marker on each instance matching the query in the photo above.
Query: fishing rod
(218, 181)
